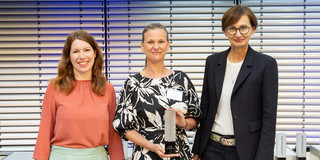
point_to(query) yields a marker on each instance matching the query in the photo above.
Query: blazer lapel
(220, 71)
(245, 69)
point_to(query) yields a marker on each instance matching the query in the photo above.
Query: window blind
(32, 34)
(288, 32)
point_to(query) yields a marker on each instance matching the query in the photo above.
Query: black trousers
(217, 151)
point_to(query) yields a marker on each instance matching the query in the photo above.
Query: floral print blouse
(141, 107)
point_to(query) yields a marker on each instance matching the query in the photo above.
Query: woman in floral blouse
(146, 95)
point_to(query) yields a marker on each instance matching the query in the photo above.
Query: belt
(222, 139)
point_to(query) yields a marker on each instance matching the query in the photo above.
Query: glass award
(170, 131)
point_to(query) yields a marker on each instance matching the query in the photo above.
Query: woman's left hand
(180, 118)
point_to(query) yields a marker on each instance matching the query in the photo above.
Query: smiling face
(155, 45)
(239, 40)
(82, 57)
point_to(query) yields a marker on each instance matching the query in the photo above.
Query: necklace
(231, 73)
(232, 78)
(234, 69)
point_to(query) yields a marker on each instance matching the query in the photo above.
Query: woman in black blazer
(239, 97)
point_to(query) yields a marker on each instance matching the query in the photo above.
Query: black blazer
(253, 104)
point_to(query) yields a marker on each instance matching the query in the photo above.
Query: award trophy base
(301, 158)
(280, 158)
(170, 148)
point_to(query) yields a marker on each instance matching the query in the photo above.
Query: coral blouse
(81, 119)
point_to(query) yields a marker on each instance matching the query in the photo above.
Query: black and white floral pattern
(141, 107)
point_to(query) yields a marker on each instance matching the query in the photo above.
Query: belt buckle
(225, 142)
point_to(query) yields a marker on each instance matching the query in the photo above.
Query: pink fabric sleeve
(43, 144)
(115, 144)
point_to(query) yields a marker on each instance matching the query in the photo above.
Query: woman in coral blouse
(79, 107)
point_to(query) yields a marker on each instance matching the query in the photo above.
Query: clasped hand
(180, 118)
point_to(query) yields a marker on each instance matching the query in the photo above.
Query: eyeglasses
(243, 29)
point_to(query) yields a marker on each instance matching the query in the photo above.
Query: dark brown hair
(232, 16)
(65, 81)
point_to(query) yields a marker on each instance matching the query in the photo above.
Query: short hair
(154, 26)
(65, 81)
(232, 16)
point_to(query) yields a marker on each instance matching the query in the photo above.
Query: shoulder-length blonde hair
(65, 81)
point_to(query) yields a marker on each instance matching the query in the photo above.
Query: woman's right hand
(161, 152)
(196, 157)
(138, 139)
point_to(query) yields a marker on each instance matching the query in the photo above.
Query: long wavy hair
(65, 81)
